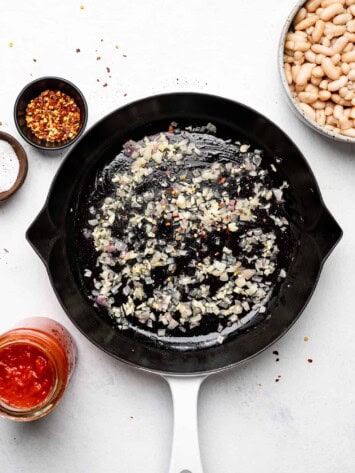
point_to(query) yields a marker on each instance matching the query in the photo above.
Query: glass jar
(37, 360)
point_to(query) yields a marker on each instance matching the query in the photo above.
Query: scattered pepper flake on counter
(310, 360)
(82, 7)
(305, 339)
(11, 44)
(108, 70)
(275, 352)
(53, 116)
(105, 84)
(77, 50)
(124, 55)
(117, 46)
(34, 60)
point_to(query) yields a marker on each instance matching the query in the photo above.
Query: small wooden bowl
(22, 158)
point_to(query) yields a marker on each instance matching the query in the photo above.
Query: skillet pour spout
(42, 235)
(327, 233)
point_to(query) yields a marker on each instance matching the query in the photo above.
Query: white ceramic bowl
(292, 102)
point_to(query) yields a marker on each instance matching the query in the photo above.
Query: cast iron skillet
(51, 235)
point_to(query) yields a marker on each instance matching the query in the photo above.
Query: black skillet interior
(51, 234)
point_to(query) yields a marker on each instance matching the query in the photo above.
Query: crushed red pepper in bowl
(50, 113)
(53, 116)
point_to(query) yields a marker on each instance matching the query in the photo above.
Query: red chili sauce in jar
(26, 376)
(37, 360)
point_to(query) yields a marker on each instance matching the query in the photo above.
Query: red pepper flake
(98, 58)
(171, 129)
(221, 204)
(77, 50)
(221, 180)
(53, 116)
(97, 80)
(108, 70)
(310, 360)
(105, 84)
(168, 224)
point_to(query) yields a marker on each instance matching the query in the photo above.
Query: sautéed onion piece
(188, 231)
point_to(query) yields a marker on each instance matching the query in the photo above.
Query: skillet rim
(140, 102)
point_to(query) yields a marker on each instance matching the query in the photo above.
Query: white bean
(340, 44)
(310, 56)
(350, 132)
(324, 95)
(330, 70)
(345, 68)
(331, 121)
(312, 88)
(329, 109)
(288, 74)
(331, 11)
(351, 10)
(307, 97)
(305, 73)
(348, 57)
(326, 3)
(320, 117)
(306, 23)
(352, 113)
(301, 15)
(342, 19)
(351, 74)
(295, 71)
(351, 36)
(345, 123)
(348, 48)
(318, 105)
(332, 31)
(308, 111)
(312, 5)
(300, 46)
(320, 49)
(337, 84)
(338, 111)
(317, 72)
(318, 31)
(336, 59)
(349, 2)
(350, 26)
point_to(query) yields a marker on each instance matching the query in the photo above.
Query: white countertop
(114, 418)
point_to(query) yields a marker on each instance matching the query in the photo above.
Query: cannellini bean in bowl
(317, 66)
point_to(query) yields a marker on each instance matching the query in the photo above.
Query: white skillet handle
(185, 456)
